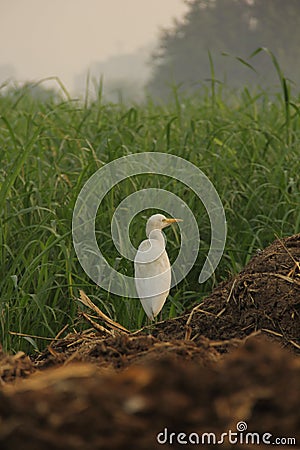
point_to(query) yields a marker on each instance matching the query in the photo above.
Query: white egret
(152, 266)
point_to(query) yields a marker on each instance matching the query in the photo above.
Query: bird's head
(158, 222)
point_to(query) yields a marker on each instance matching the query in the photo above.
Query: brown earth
(233, 358)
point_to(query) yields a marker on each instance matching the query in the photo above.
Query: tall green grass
(247, 143)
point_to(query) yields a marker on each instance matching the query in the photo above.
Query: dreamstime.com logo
(102, 181)
(240, 436)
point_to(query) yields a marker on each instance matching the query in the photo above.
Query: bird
(152, 270)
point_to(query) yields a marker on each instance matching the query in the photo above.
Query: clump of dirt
(14, 366)
(77, 406)
(264, 296)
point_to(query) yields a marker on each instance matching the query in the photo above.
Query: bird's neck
(157, 235)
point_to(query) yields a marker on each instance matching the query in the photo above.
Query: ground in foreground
(230, 364)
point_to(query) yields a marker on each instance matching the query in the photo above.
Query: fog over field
(40, 38)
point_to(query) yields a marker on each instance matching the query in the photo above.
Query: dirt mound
(77, 406)
(264, 296)
(122, 351)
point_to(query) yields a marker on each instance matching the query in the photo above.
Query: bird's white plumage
(152, 267)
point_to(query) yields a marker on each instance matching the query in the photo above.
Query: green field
(247, 143)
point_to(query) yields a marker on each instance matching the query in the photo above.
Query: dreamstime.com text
(240, 436)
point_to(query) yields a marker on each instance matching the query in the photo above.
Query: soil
(231, 362)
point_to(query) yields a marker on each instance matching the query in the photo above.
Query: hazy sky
(62, 37)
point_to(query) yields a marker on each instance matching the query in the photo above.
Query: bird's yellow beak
(169, 221)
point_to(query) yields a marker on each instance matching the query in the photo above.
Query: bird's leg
(149, 323)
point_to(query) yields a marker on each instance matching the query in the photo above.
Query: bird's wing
(152, 274)
(153, 281)
(153, 305)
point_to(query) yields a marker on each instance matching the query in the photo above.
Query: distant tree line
(218, 36)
